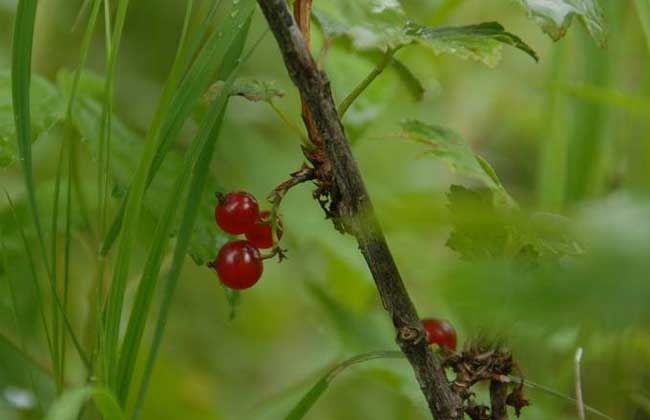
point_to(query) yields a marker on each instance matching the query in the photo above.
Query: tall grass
(200, 53)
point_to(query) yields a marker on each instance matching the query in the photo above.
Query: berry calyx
(238, 265)
(236, 212)
(440, 332)
(261, 233)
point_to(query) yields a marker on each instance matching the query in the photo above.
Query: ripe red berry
(440, 332)
(261, 233)
(236, 212)
(238, 264)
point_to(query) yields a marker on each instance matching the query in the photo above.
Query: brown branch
(356, 212)
(498, 398)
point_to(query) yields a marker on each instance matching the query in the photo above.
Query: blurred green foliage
(561, 135)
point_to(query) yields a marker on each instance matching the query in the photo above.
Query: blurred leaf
(482, 42)
(69, 405)
(382, 24)
(485, 228)
(369, 24)
(315, 392)
(452, 149)
(8, 5)
(636, 104)
(356, 331)
(410, 80)
(251, 89)
(555, 16)
(47, 108)
(126, 148)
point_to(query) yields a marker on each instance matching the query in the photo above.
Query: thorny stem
(355, 210)
(357, 91)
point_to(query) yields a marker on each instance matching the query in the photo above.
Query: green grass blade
(104, 164)
(206, 137)
(552, 174)
(144, 295)
(315, 392)
(208, 134)
(20, 85)
(70, 139)
(634, 104)
(32, 265)
(69, 405)
(135, 197)
(22, 349)
(140, 310)
(191, 89)
(58, 333)
(21, 72)
(643, 10)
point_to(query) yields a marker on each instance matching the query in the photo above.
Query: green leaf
(486, 228)
(383, 25)
(482, 42)
(410, 80)
(369, 24)
(47, 108)
(449, 147)
(251, 89)
(555, 17)
(69, 405)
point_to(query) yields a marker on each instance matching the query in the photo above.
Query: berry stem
(304, 174)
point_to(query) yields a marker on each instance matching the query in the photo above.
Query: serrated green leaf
(383, 25)
(47, 108)
(479, 229)
(555, 17)
(485, 228)
(451, 148)
(482, 42)
(369, 24)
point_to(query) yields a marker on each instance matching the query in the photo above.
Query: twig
(356, 210)
(288, 122)
(579, 400)
(357, 91)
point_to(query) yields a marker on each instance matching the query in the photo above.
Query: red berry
(236, 212)
(239, 265)
(440, 332)
(261, 233)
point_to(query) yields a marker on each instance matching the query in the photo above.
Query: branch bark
(356, 211)
(498, 398)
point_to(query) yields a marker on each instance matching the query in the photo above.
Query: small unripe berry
(440, 332)
(236, 212)
(261, 233)
(239, 265)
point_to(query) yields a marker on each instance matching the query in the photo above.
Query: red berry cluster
(440, 332)
(239, 263)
